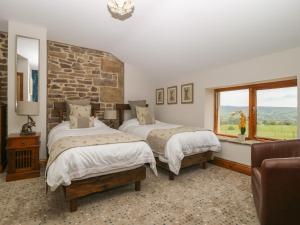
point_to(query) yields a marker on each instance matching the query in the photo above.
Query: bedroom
(182, 57)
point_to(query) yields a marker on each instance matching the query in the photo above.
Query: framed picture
(187, 93)
(160, 96)
(172, 95)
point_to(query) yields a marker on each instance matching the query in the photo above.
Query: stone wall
(76, 72)
(3, 67)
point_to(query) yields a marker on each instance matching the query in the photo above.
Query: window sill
(236, 141)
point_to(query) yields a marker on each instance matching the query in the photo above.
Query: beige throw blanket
(66, 143)
(158, 138)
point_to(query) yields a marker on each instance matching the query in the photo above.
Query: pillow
(80, 110)
(128, 123)
(144, 115)
(83, 102)
(133, 105)
(81, 122)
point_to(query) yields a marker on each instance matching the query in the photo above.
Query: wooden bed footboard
(81, 188)
(187, 161)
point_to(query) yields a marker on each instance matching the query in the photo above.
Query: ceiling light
(120, 7)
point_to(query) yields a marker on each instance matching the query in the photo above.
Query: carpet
(215, 196)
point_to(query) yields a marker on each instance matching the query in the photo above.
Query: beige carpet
(213, 196)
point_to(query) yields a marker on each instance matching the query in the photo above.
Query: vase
(241, 137)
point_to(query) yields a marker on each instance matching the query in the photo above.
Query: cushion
(80, 110)
(129, 123)
(133, 105)
(84, 102)
(81, 122)
(144, 115)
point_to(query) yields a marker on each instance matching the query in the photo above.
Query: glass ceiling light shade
(121, 7)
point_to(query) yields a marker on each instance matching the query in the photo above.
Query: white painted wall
(265, 68)
(235, 152)
(137, 86)
(14, 121)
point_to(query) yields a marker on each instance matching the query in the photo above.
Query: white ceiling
(167, 37)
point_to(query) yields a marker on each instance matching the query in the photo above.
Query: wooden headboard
(61, 108)
(120, 112)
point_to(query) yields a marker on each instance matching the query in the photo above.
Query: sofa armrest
(280, 176)
(277, 149)
(277, 165)
(280, 185)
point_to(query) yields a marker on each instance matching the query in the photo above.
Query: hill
(265, 115)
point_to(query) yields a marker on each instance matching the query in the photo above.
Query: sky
(280, 97)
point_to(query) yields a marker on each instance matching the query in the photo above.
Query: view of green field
(266, 131)
(272, 122)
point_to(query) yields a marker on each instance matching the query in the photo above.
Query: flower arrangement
(242, 124)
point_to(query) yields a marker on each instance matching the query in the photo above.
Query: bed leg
(203, 165)
(171, 175)
(137, 185)
(73, 205)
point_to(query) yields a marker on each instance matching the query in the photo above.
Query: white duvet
(83, 162)
(179, 145)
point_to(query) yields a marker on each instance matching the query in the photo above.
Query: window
(270, 109)
(231, 102)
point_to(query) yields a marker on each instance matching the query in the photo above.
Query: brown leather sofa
(275, 179)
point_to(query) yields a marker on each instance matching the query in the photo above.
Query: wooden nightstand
(23, 156)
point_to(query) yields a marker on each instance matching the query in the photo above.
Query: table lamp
(28, 109)
(110, 115)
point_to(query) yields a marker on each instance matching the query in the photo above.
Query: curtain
(35, 85)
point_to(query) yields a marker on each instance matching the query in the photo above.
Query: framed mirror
(27, 69)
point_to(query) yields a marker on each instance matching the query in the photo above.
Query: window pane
(231, 102)
(277, 113)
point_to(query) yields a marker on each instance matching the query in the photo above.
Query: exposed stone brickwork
(3, 67)
(76, 72)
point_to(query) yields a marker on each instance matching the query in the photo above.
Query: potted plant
(242, 125)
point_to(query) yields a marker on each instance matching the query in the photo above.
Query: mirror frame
(16, 66)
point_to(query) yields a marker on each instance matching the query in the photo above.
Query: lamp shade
(110, 114)
(27, 108)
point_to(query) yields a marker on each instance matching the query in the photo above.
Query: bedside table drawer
(22, 142)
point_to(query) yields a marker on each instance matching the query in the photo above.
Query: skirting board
(238, 167)
(43, 162)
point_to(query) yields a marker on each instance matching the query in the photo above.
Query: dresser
(3, 135)
(23, 156)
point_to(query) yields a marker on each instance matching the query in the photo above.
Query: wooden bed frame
(81, 188)
(191, 160)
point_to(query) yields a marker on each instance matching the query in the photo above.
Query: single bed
(182, 149)
(94, 168)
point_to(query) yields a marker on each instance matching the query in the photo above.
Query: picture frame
(172, 95)
(160, 96)
(187, 93)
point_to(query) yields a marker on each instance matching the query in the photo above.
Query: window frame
(252, 118)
